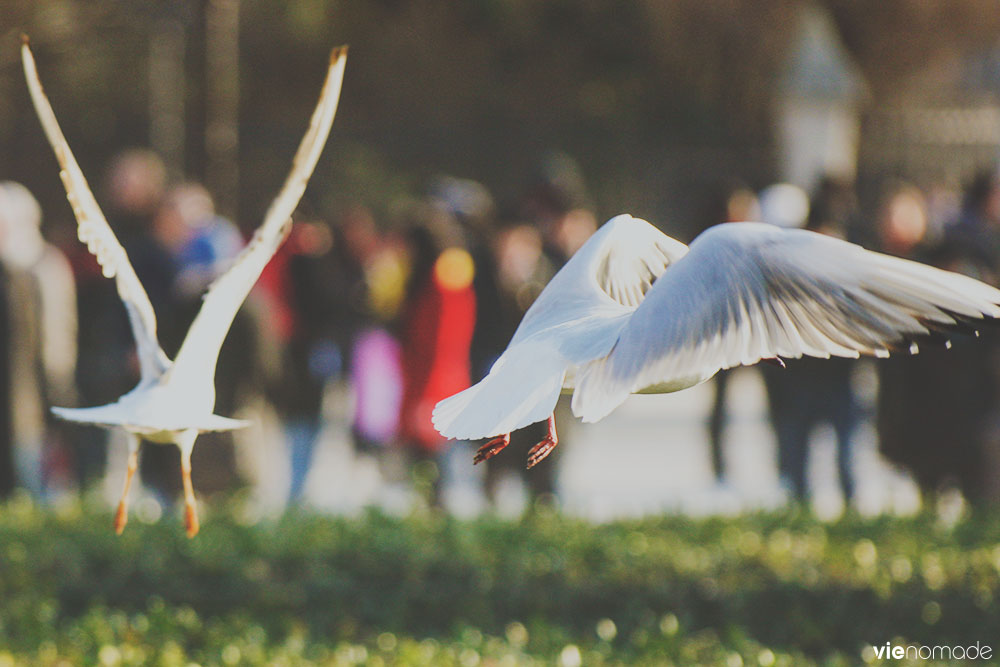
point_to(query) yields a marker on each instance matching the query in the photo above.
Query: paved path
(649, 456)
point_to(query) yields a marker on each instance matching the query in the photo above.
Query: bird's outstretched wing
(611, 272)
(94, 231)
(747, 292)
(200, 350)
(575, 319)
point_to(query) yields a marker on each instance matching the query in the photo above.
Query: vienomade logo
(915, 651)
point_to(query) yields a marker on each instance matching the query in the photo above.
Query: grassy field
(775, 589)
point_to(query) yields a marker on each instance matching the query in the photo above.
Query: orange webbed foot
(538, 453)
(491, 448)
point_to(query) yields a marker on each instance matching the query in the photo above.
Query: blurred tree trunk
(894, 42)
(167, 92)
(222, 99)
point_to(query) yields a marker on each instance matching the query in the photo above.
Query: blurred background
(477, 146)
(805, 515)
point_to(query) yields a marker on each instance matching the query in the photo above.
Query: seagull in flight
(635, 311)
(174, 400)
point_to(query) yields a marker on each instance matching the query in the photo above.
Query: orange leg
(491, 448)
(190, 509)
(538, 453)
(121, 516)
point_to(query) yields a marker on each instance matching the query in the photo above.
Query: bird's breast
(671, 386)
(160, 437)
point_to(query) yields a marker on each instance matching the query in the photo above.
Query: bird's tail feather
(522, 388)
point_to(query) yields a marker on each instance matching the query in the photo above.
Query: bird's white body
(174, 400)
(635, 311)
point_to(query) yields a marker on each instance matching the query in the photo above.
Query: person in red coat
(436, 328)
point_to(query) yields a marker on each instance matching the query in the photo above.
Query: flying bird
(635, 311)
(174, 400)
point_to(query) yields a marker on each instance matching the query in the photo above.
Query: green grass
(428, 590)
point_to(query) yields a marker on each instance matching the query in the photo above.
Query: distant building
(944, 128)
(818, 104)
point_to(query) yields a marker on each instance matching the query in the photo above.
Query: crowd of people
(937, 413)
(407, 310)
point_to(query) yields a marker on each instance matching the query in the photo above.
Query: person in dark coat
(934, 408)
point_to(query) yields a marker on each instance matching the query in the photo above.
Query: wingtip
(338, 52)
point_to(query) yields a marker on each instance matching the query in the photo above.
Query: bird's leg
(190, 511)
(121, 516)
(538, 453)
(491, 448)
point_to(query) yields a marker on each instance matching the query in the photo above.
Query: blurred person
(522, 270)
(738, 203)
(509, 264)
(976, 232)
(557, 205)
(134, 186)
(330, 294)
(42, 329)
(784, 205)
(436, 326)
(944, 207)
(810, 392)
(902, 222)
(201, 245)
(935, 408)
(807, 392)
(313, 352)
(471, 205)
(324, 297)
(373, 276)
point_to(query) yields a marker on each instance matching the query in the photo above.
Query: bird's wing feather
(102, 415)
(114, 414)
(613, 271)
(748, 291)
(575, 319)
(200, 349)
(93, 230)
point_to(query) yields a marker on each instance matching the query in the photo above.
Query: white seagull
(174, 400)
(634, 311)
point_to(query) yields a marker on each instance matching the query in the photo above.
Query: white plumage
(174, 400)
(635, 311)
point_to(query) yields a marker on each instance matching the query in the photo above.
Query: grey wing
(93, 230)
(200, 350)
(748, 291)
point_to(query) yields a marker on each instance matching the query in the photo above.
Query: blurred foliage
(768, 589)
(895, 40)
(483, 89)
(654, 98)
